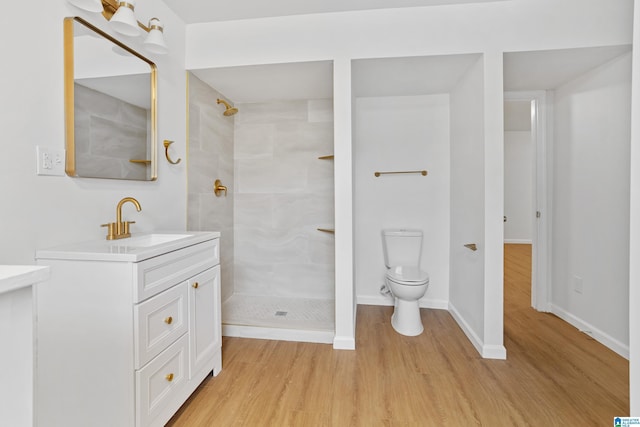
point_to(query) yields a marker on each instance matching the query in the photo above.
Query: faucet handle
(111, 230)
(125, 227)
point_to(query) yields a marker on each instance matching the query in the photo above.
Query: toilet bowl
(404, 278)
(407, 285)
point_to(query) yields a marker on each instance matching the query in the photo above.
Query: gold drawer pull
(168, 320)
(195, 285)
(169, 377)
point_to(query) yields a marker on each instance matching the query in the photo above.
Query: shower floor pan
(278, 318)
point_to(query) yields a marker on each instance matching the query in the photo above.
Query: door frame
(541, 215)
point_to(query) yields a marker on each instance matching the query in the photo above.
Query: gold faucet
(120, 229)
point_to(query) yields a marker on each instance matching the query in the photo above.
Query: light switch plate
(50, 161)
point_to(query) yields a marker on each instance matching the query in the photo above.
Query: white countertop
(14, 277)
(138, 247)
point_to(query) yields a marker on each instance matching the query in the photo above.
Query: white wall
(518, 186)
(466, 288)
(402, 133)
(590, 241)
(41, 211)
(634, 246)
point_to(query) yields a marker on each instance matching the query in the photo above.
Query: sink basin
(151, 240)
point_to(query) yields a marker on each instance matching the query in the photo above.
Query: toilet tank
(402, 247)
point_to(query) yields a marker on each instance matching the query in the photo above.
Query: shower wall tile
(283, 193)
(321, 110)
(303, 280)
(272, 112)
(254, 140)
(210, 157)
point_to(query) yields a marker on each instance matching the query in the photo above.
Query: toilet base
(406, 318)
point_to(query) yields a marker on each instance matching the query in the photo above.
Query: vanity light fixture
(124, 21)
(121, 16)
(88, 5)
(154, 42)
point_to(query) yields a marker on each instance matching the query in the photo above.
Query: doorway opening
(526, 199)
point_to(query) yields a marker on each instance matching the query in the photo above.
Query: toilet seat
(407, 275)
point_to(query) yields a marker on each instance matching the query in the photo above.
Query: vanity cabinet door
(205, 331)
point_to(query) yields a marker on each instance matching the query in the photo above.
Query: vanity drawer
(154, 275)
(159, 321)
(160, 383)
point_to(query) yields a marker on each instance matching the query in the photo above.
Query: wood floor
(553, 376)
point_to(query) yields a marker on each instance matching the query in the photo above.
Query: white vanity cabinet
(126, 333)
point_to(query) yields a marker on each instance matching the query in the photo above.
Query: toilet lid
(407, 275)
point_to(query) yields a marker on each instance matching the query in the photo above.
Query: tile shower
(280, 268)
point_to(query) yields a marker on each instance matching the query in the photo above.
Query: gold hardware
(218, 188)
(167, 143)
(169, 377)
(229, 110)
(71, 160)
(423, 173)
(168, 320)
(120, 229)
(109, 9)
(329, 157)
(195, 285)
(145, 162)
(327, 230)
(471, 246)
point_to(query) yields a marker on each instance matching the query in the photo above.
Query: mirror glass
(110, 106)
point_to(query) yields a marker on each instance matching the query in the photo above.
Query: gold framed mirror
(110, 106)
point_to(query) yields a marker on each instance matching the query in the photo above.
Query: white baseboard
(487, 351)
(344, 343)
(388, 300)
(518, 241)
(595, 333)
(240, 331)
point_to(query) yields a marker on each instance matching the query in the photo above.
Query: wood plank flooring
(553, 376)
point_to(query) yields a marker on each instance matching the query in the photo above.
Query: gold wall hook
(218, 188)
(167, 143)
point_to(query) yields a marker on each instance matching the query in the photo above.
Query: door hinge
(538, 214)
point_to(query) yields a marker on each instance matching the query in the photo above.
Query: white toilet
(402, 250)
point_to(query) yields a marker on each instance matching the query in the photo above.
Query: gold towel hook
(167, 143)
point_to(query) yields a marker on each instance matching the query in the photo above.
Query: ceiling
(196, 11)
(549, 69)
(535, 70)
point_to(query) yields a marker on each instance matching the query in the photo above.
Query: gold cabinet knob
(169, 377)
(168, 320)
(195, 285)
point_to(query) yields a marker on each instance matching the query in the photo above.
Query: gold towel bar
(423, 173)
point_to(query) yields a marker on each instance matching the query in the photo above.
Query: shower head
(230, 111)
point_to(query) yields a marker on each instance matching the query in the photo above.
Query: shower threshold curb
(281, 334)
